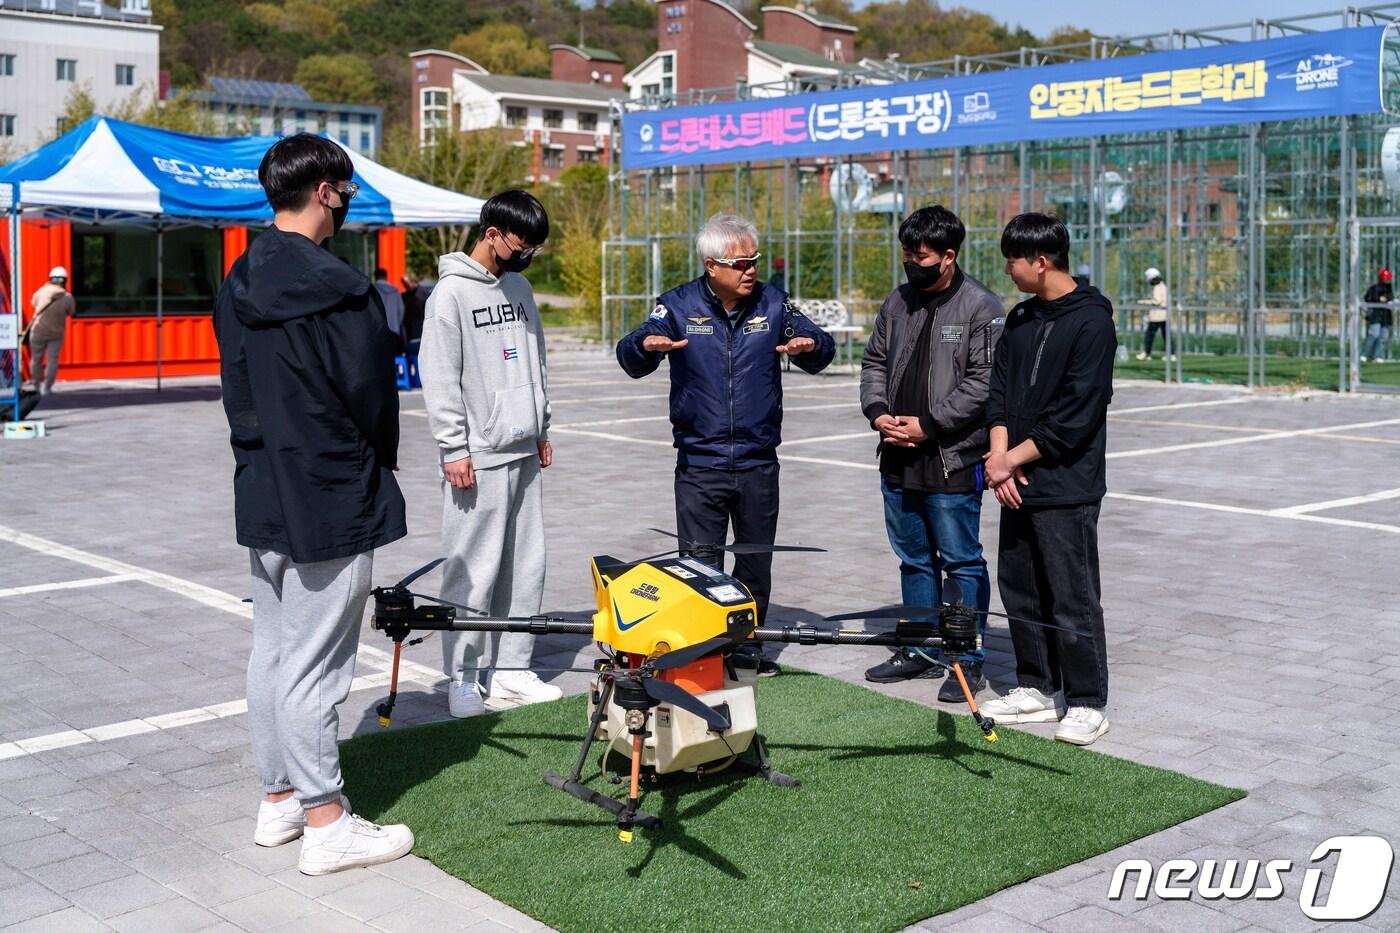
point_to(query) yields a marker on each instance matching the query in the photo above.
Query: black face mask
(338, 213)
(514, 262)
(922, 277)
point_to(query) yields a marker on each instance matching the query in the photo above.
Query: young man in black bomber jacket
(1052, 380)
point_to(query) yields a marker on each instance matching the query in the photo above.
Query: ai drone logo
(1318, 72)
(1358, 881)
(976, 108)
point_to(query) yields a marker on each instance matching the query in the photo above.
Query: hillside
(356, 50)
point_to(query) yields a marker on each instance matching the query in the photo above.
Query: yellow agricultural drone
(670, 691)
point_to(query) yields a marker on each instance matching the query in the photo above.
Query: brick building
(709, 44)
(563, 118)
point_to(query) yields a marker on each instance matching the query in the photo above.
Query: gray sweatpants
(493, 538)
(306, 629)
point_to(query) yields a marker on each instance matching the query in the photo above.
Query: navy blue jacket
(727, 382)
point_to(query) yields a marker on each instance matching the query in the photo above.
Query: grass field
(904, 812)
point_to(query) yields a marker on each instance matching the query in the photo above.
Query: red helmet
(1385, 275)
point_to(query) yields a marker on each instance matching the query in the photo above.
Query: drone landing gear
(627, 814)
(763, 768)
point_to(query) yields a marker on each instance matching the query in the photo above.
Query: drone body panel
(675, 602)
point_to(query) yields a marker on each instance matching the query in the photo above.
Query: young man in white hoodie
(483, 370)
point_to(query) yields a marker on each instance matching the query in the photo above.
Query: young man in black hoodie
(1052, 380)
(307, 366)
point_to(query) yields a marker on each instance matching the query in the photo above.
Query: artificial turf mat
(904, 812)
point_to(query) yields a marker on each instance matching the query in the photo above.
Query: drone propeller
(742, 548)
(426, 568)
(683, 656)
(679, 697)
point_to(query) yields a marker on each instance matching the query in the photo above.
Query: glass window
(553, 158)
(651, 90)
(126, 75)
(667, 64)
(364, 141)
(67, 69)
(114, 270)
(301, 121)
(7, 124)
(588, 155)
(516, 116)
(553, 119)
(587, 122)
(7, 66)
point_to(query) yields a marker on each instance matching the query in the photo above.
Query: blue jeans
(1377, 346)
(933, 534)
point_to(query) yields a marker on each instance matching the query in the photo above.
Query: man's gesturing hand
(797, 345)
(546, 454)
(460, 473)
(658, 344)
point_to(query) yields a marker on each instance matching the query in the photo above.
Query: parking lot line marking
(1201, 425)
(205, 595)
(120, 730)
(644, 418)
(1229, 441)
(870, 435)
(1168, 407)
(1361, 437)
(611, 437)
(1266, 513)
(66, 585)
(1338, 503)
(1131, 497)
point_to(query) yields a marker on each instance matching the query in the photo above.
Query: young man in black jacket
(1052, 380)
(307, 366)
(923, 386)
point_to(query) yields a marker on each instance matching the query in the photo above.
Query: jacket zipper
(729, 354)
(1040, 350)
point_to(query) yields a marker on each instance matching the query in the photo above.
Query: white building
(274, 108)
(50, 47)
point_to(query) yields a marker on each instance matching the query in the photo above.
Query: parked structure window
(587, 122)
(126, 75)
(114, 269)
(434, 113)
(67, 69)
(516, 116)
(7, 66)
(553, 119)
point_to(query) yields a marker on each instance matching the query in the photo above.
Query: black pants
(1153, 327)
(1048, 569)
(708, 500)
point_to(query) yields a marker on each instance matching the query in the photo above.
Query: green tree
(578, 205)
(504, 48)
(345, 79)
(478, 163)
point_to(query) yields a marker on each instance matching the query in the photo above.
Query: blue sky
(1113, 18)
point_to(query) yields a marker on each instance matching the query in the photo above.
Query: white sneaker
(464, 699)
(1081, 726)
(354, 843)
(517, 688)
(277, 826)
(1024, 704)
(1143, 356)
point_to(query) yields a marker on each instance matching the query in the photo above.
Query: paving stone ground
(1249, 587)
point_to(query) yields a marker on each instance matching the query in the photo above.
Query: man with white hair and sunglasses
(725, 335)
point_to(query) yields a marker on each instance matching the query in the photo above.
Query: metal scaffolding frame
(1266, 233)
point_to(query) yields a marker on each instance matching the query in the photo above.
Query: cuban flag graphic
(511, 353)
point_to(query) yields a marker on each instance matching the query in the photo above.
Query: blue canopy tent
(108, 171)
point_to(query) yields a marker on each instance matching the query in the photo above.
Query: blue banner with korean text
(1318, 74)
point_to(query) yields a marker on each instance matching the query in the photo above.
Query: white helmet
(58, 272)
(1152, 273)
